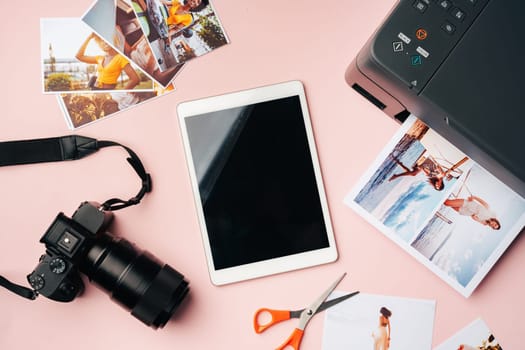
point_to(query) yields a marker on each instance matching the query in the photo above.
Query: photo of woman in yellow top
(179, 14)
(109, 66)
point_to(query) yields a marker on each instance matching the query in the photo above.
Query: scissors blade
(335, 301)
(325, 305)
(310, 311)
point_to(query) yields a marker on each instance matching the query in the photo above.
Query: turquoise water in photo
(406, 203)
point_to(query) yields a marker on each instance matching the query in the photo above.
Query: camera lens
(135, 279)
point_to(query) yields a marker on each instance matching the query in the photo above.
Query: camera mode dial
(36, 281)
(57, 266)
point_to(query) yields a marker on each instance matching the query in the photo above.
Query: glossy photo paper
(179, 31)
(368, 322)
(439, 205)
(117, 23)
(86, 108)
(475, 336)
(76, 60)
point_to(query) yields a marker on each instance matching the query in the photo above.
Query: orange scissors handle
(293, 341)
(275, 316)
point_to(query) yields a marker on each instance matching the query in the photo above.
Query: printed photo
(440, 206)
(74, 60)
(117, 23)
(179, 30)
(465, 236)
(411, 181)
(476, 336)
(375, 322)
(83, 109)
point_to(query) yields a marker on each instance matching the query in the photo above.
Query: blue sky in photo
(470, 243)
(65, 35)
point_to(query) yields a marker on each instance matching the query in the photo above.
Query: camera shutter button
(57, 266)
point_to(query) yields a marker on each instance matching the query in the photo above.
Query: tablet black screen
(257, 183)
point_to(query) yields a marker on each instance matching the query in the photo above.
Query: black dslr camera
(137, 280)
(133, 278)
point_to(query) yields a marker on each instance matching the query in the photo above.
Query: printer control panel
(419, 34)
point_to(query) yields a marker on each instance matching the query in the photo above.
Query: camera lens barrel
(135, 279)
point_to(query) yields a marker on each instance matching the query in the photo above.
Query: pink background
(271, 41)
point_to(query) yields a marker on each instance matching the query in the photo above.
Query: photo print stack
(380, 322)
(122, 53)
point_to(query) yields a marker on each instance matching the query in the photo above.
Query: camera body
(67, 241)
(133, 278)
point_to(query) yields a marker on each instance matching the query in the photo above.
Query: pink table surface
(271, 41)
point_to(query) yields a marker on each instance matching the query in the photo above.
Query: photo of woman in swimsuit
(382, 334)
(432, 170)
(476, 208)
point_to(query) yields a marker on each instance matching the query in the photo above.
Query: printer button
(458, 14)
(421, 34)
(422, 52)
(397, 46)
(403, 37)
(445, 4)
(448, 27)
(472, 2)
(416, 60)
(421, 6)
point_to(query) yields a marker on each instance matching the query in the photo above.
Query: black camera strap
(136, 164)
(71, 147)
(58, 149)
(20, 290)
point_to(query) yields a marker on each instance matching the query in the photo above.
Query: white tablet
(257, 182)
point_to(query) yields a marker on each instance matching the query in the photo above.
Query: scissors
(304, 315)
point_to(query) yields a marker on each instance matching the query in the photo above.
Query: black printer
(458, 65)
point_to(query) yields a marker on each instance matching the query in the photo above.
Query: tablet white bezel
(271, 266)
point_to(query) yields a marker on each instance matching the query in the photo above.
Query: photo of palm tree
(179, 30)
(81, 109)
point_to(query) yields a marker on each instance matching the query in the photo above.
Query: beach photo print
(179, 30)
(439, 205)
(409, 180)
(117, 23)
(376, 322)
(472, 228)
(75, 60)
(476, 336)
